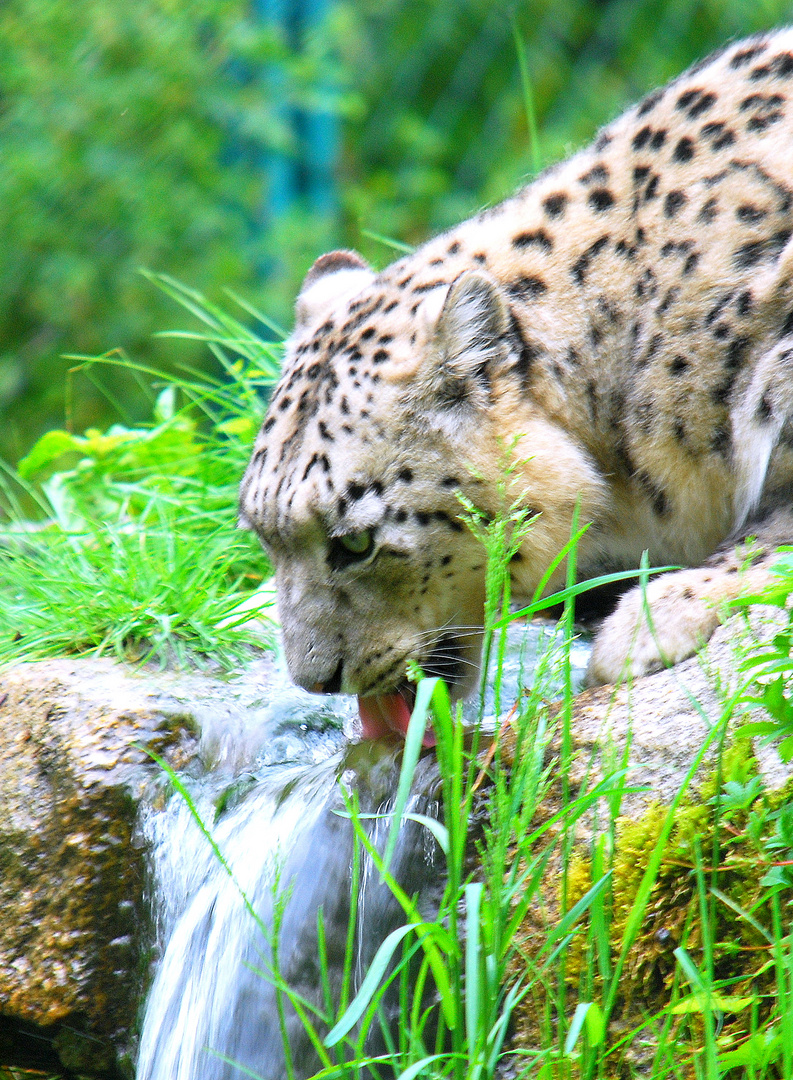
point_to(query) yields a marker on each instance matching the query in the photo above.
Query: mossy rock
(724, 836)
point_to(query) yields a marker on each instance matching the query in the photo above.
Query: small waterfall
(209, 996)
(211, 1008)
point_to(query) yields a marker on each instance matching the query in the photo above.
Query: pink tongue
(385, 713)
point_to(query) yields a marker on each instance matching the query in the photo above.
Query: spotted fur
(626, 321)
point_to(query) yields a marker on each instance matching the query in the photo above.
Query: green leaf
(49, 448)
(438, 830)
(690, 970)
(410, 755)
(473, 989)
(775, 878)
(698, 1003)
(238, 425)
(736, 795)
(763, 727)
(760, 1050)
(374, 976)
(595, 1024)
(571, 917)
(418, 1067)
(576, 1025)
(575, 590)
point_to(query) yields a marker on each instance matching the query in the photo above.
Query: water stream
(211, 1007)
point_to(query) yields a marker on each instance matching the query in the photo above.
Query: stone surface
(667, 717)
(76, 942)
(74, 934)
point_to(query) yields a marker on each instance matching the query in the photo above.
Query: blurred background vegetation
(230, 142)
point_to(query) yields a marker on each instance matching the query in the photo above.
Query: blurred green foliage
(138, 133)
(444, 127)
(124, 541)
(124, 126)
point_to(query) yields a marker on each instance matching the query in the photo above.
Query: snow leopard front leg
(685, 606)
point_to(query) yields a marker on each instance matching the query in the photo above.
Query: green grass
(555, 929)
(124, 541)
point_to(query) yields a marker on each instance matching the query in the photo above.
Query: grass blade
(473, 989)
(374, 975)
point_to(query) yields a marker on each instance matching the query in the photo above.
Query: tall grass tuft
(124, 541)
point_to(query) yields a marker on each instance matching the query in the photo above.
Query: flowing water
(274, 814)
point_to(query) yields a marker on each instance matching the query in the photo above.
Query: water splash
(212, 994)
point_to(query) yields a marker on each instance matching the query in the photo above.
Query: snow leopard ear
(333, 278)
(471, 337)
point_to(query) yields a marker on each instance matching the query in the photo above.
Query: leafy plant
(124, 541)
(771, 665)
(134, 134)
(599, 920)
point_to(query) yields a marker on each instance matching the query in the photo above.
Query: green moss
(724, 839)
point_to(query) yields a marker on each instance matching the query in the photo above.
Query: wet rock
(74, 937)
(72, 870)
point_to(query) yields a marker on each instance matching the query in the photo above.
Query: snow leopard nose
(332, 685)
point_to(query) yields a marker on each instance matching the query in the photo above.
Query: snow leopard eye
(351, 548)
(358, 543)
